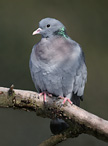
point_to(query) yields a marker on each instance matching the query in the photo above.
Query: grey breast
(57, 66)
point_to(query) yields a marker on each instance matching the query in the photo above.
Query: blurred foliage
(87, 23)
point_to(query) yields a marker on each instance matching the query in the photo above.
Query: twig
(53, 140)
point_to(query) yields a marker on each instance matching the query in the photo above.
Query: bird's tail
(57, 125)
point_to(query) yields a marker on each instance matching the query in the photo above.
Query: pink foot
(65, 99)
(50, 95)
(44, 95)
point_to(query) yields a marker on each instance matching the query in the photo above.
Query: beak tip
(33, 33)
(37, 31)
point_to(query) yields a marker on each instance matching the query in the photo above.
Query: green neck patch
(62, 32)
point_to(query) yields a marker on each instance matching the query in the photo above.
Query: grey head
(48, 27)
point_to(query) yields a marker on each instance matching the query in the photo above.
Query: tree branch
(53, 140)
(80, 121)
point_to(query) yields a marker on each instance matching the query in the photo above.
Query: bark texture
(79, 120)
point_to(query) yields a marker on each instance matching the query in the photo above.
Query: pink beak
(37, 31)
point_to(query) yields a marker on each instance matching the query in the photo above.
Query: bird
(57, 66)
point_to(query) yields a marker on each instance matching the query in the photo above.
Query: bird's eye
(48, 25)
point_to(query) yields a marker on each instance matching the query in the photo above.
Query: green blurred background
(87, 23)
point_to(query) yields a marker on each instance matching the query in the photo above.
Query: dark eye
(48, 25)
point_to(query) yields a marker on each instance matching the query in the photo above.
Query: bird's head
(49, 27)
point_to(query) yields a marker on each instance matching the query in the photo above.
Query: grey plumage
(57, 62)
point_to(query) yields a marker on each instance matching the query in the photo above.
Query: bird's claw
(44, 96)
(64, 100)
(67, 99)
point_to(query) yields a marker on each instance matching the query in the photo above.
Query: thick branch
(80, 121)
